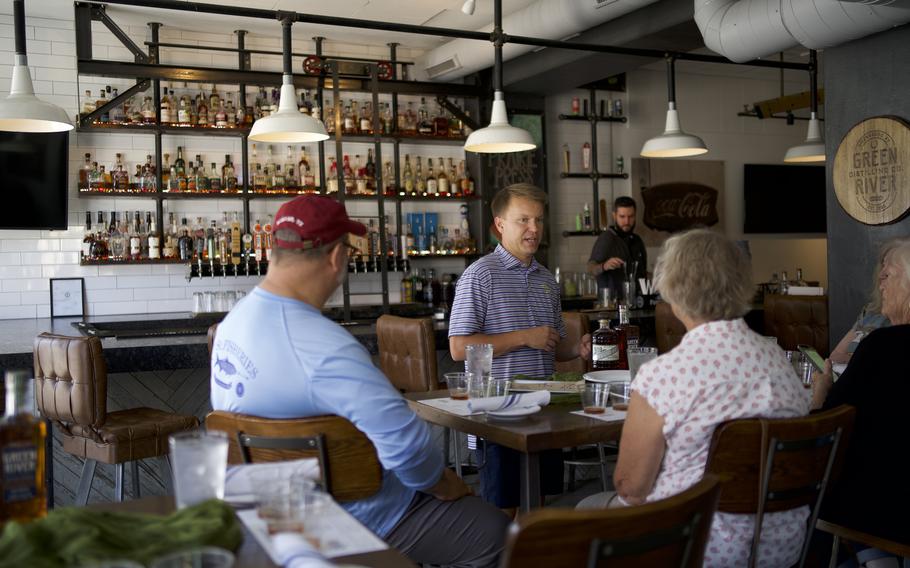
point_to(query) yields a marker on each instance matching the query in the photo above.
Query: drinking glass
(198, 305)
(638, 356)
(199, 461)
(230, 300)
(484, 388)
(208, 301)
(619, 394)
(595, 397)
(607, 300)
(459, 385)
(218, 303)
(479, 359)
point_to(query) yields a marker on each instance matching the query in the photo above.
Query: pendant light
(22, 111)
(673, 143)
(500, 136)
(813, 149)
(288, 125)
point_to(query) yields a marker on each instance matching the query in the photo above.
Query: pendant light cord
(287, 19)
(671, 80)
(813, 82)
(498, 39)
(19, 22)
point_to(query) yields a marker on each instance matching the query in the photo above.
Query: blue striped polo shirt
(499, 294)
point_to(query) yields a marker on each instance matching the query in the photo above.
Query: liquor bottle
(609, 348)
(278, 181)
(290, 177)
(120, 177)
(420, 180)
(202, 109)
(211, 245)
(408, 175)
(165, 108)
(154, 240)
(586, 216)
(366, 119)
(149, 181)
(455, 126)
(360, 180)
(85, 172)
(184, 109)
(116, 112)
(203, 182)
(349, 182)
(386, 120)
(170, 246)
(214, 99)
(148, 110)
(370, 173)
(173, 184)
(214, 179)
(182, 182)
(105, 115)
(191, 177)
(440, 122)
(106, 183)
(144, 232)
(389, 179)
(221, 118)
(118, 245)
(331, 180)
(432, 185)
(409, 241)
(134, 241)
(424, 124)
(199, 240)
(99, 250)
(185, 247)
(231, 115)
(407, 290)
(228, 177)
(306, 172)
(467, 187)
(89, 238)
(259, 181)
(166, 172)
(22, 452)
(631, 330)
(88, 103)
(348, 126)
(442, 180)
(179, 163)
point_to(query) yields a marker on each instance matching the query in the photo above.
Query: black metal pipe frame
(446, 32)
(259, 51)
(19, 25)
(671, 81)
(813, 82)
(498, 38)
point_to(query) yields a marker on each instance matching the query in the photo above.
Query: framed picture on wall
(67, 297)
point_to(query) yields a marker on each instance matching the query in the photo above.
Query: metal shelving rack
(595, 175)
(149, 73)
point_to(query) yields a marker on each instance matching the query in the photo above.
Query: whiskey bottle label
(19, 465)
(606, 353)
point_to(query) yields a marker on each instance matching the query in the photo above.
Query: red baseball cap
(318, 220)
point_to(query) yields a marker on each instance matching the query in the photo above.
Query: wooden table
(250, 554)
(554, 427)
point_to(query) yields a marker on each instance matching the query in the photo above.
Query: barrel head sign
(872, 171)
(679, 206)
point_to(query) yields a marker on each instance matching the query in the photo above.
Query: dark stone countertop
(147, 353)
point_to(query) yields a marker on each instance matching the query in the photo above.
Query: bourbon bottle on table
(631, 330)
(609, 348)
(22, 453)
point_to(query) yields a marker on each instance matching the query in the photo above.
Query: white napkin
(525, 400)
(292, 550)
(238, 479)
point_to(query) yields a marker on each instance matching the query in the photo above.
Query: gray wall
(864, 78)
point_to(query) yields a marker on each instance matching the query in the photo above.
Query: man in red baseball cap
(279, 357)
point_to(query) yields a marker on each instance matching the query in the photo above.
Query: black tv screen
(784, 199)
(34, 170)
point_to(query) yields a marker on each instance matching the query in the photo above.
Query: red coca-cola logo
(679, 206)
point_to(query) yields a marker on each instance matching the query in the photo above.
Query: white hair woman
(872, 494)
(721, 370)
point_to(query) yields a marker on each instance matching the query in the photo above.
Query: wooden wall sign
(679, 206)
(872, 171)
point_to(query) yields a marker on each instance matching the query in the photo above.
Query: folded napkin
(292, 550)
(79, 536)
(525, 400)
(238, 480)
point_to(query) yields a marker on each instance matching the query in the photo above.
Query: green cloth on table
(76, 536)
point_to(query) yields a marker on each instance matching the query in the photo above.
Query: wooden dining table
(251, 554)
(554, 427)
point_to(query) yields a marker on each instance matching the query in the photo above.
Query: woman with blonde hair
(721, 370)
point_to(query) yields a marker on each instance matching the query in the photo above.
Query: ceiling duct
(549, 19)
(741, 30)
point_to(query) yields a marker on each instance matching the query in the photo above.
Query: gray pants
(467, 533)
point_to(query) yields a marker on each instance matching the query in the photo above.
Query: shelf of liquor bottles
(594, 175)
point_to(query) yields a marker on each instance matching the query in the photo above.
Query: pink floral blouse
(720, 371)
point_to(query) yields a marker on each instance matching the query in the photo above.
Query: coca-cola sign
(679, 206)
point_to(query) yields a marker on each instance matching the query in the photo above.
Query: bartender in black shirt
(618, 250)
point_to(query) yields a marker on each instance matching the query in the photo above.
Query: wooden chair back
(210, 337)
(576, 326)
(407, 352)
(347, 458)
(795, 459)
(671, 532)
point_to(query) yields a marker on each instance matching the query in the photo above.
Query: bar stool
(71, 391)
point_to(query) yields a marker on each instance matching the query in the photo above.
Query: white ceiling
(437, 13)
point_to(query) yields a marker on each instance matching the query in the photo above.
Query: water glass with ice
(479, 359)
(638, 356)
(198, 461)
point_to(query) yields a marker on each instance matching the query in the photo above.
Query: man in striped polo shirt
(511, 301)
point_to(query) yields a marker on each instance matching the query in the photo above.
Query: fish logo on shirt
(226, 369)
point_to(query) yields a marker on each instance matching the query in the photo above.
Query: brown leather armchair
(576, 326)
(407, 352)
(71, 391)
(670, 330)
(796, 320)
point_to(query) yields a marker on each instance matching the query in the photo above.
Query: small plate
(608, 376)
(513, 413)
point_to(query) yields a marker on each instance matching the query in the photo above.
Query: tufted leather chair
(407, 352)
(71, 391)
(670, 330)
(576, 326)
(796, 320)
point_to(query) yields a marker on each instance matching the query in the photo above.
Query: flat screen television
(34, 169)
(784, 199)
